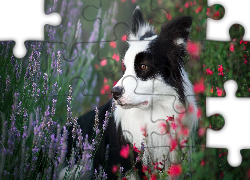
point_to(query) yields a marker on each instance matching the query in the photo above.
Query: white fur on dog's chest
(134, 119)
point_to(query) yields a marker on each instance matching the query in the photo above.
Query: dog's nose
(117, 92)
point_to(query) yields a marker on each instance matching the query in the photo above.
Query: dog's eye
(143, 66)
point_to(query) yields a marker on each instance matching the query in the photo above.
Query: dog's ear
(137, 21)
(176, 30)
(139, 29)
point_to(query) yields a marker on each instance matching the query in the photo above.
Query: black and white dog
(153, 86)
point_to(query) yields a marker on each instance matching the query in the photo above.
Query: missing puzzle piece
(227, 137)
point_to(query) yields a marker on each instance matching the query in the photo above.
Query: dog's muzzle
(117, 92)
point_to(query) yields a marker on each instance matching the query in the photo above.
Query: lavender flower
(121, 170)
(45, 85)
(69, 112)
(59, 66)
(106, 120)
(51, 147)
(19, 111)
(78, 30)
(7, 88)
(96, 120)
(107, 153)
(58, 137)
(74, 128)
(63, 151)
(53, 109)
(72, 160)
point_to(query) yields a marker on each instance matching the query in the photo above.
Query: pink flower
(202, 162)
(144, 131)
(116, 57)
(181, 117)
(198, 9)
(170, 118)
(192, 48)
(175, 170)
(103, 62)
(201, 131)
(173, 125)
(136, 149)
(217, 14)
(241, 41)
(114, 169)
(133, 1)
(231, 48)
(245, 59)
(168, 16)
(105, 80)
(102, 91)
(199, 112)
(153, 176)
(124, 37)
(220, 69)
(209, 72)
(185, 131)
(186, 5)
(181, 10)
(106, 88)
(173, 144)
(124, 152)
(208, 11)
(219, 91)
(183, 142)
(199, 87)
(112, 44)
(163, 127)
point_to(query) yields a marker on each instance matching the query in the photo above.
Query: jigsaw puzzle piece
(228, 19)
(234, 157)
(73, 28)
(216, 159)
(124, 8)
(197, 9)
(22, 22)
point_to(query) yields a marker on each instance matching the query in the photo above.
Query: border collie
(154, 87)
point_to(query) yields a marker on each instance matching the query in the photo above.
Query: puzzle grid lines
(86, 52)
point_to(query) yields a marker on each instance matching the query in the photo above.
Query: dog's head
(154, 63)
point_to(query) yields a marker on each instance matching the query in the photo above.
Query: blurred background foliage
(86, 52)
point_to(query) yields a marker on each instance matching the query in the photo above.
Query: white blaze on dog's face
(154, 64)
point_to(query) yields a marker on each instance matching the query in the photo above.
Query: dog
(154, 87)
